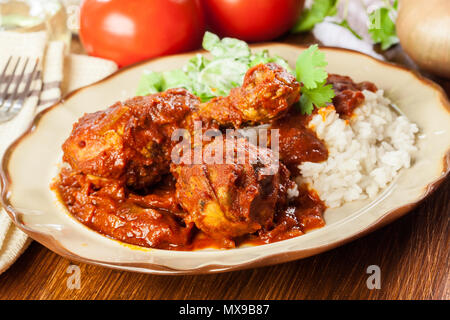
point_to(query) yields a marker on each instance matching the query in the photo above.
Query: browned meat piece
(232, 199)
(103, 205)
(266, 94)
(130, 140)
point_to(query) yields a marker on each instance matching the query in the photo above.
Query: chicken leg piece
(267, 94)
(130, 141)
(229, 199)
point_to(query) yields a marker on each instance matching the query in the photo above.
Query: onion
(423, 27)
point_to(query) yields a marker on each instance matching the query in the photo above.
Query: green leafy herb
(154, 82)
(382, 27)
(310, 67)
(209, 78)
(225, 48)
(231, 58)
(151, 82)
(395, 5)
(318, 97)
(310, 70)
(316, 14)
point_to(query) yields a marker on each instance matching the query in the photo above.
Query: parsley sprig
(382, 26)
(310, 71)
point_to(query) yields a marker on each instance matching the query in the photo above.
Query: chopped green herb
(316, 14)
(310, 70)
(209, 78)
(231, 58)
(225, 48)
(151, 82)
(318, 97)
(382, 27)
(310, 67)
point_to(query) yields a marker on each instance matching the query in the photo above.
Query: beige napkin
(57, 75)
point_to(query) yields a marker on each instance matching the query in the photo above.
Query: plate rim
(145, 267)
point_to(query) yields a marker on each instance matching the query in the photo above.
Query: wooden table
(412, 253)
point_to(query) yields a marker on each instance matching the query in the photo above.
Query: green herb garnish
(382, 27)
(209, 78)
(310, 70)
(316, 14)
(231, 58)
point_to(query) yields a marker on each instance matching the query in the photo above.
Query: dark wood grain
(412, 253)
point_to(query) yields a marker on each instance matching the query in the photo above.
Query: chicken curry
(122, 182)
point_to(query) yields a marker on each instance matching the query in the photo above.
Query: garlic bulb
(423, 27)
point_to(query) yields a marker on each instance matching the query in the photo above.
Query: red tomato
(252, 20)
(134, 30)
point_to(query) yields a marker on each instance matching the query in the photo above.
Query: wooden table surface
(412, 253)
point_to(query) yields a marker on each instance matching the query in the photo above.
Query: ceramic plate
(31, 164)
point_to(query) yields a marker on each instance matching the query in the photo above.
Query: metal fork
(12, 102)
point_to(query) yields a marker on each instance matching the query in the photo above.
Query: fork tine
(26, 90)
(2, 78)
(16, 100)
(4, 70)
(18, 83)
(19, 103)
(5, 92)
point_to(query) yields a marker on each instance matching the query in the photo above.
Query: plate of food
(229, 158)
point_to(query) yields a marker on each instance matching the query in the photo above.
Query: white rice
(293, 192)
(365, 153)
